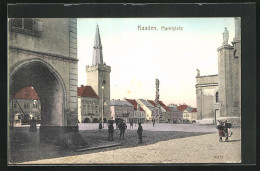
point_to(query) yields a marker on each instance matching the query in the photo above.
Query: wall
(206, 88)
(49, 62)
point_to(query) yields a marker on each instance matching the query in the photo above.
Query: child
(139, 132)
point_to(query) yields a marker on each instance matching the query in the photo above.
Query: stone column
(225, 81)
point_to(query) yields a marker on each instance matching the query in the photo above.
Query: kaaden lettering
(161, 28)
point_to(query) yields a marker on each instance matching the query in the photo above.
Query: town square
(112, 91)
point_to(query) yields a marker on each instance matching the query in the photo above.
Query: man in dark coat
(33, 127)
(140, 132)
(153, 120)
(122, 127)
(110, 131)
(100, 126)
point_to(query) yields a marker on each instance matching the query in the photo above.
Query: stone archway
(51, 90)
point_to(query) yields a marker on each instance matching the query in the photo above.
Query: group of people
(121, 125)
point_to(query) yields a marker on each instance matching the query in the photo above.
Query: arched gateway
(43, 54)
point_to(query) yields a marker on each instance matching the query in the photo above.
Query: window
(15, 105)
(217, 97)
(26, 106)
(34, 105)
(27, 26)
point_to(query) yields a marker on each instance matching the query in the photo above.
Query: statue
(198, 72)
(225, 37)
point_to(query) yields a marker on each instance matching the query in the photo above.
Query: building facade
(166, 112)
(177, 115)
(219, 96)
(189, 115)
(207, 98)
(42, 53)
(88, 105)
(121, 109)
(139, 113)
(98, 77)
(148, 108)
(26, 106)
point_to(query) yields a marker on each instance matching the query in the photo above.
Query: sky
(138, 57)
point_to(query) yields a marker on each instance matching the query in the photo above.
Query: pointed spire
(97, 54)
(97, 42)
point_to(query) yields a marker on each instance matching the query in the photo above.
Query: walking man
(131, 123)
(122, 127)
(110, 131)
(140, 132)
(100, 126)
(153, 120)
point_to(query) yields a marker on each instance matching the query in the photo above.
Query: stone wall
(47, 62)
(206, 89)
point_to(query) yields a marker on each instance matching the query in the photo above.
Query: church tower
(229, 69)
(98, 77)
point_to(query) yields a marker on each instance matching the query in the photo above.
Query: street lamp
(102, 107)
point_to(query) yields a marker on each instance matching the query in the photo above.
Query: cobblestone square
(164, 143)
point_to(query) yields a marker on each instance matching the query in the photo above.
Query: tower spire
(97, 53)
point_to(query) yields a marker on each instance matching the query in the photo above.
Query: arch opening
(50, 90)
(25, 107)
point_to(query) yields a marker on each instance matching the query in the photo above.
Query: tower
(98, 77)
(229, 68)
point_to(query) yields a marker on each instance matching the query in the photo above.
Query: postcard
(96, 91)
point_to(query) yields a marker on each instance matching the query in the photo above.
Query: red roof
(87, 91)
(152, 102)
(164, 106)
(134, 103)
(27, 93)
(194, 110)
(182, 107)
(161, 104)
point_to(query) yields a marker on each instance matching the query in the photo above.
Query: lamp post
(102, 107)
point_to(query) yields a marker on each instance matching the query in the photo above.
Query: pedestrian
(110, 132)
(220, 128)
(116, 120)
(122, 127)
(131, 123)
(153, 120)
(33, 127)
(100, 126)
(140, 132)
(227, 129)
